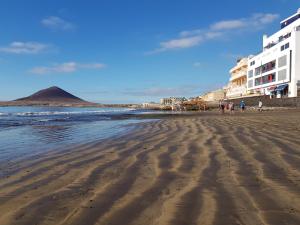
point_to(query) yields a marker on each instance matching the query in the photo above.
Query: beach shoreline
(190, 168)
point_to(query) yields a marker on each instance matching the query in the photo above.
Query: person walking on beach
(260, 104)
(231, 107)
(242, 105)
(222, 106)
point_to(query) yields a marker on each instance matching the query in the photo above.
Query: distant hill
(55, 96)
(52, 95)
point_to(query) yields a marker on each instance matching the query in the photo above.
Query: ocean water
(28, 131)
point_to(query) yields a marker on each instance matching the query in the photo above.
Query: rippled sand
(209, 169)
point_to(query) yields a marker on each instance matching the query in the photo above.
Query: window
(282, 75)
(265, 79)
(268, 78)
(257, 71)
(287, 35)
(289, 21)
(250, 73)
(252, 63)
(250, 83)
(268, 66)
(286, 46)
(258, 81)
(282, 61)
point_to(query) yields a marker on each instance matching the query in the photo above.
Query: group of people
(229, 106)
(226, 106)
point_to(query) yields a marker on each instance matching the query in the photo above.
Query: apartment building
(276, 70)
(237, 86)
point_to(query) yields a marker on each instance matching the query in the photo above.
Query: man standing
(260, 104)
(242, 105)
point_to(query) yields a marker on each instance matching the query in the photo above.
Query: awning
(281, 87)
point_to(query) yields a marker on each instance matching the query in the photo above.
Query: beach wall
(274, 102)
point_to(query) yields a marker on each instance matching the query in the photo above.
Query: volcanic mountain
(53, 95)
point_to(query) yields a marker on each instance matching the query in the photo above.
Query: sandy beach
(205, 169)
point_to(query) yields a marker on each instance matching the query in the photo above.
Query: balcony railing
(238, 75)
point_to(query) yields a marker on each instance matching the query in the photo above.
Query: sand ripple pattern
(189, 170)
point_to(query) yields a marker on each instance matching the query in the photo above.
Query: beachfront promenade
(206, 169)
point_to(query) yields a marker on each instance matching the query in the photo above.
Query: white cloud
(191, 38)
(228, 24)
(25, 48)
(256, 21)
(182, 42)
(68, 67)
(198, 64)
(57, 23)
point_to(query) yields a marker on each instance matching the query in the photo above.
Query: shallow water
(25, 131)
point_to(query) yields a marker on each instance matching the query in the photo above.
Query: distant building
(237, 86)
(151, 105)
(276, 70)
(214, 95)
(172, 101)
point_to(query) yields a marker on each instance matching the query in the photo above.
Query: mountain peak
(52, 94)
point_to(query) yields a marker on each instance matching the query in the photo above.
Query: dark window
(258, 81)
(257, 71)
(265, 79)
(291, 20)
(268, 66)
(268, 78)
(287, 45)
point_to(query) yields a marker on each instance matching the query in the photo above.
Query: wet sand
(181, 170)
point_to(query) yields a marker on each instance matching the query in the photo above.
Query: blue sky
(116, 51)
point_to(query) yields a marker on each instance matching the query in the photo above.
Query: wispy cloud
(25, 48)
(192, 38)
(256, 21)
(57, 23)
(198, 64)
(68, 67)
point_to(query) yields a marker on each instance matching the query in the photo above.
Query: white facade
(276, 70)
(237, 86)
(214, 95)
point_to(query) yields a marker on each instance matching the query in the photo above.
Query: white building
(237, 86)
(276, 70)
(172, 101)
(151, 105)
(213, 96)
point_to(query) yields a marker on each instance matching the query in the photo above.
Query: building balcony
(238, 75)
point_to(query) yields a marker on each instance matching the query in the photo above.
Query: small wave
(48, 113)
(3, 114)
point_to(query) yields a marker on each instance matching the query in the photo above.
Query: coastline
(64, 104)
(191, 168)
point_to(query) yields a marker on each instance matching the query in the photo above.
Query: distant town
(273, 73)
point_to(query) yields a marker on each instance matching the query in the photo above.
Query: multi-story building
(214, 95)
(237, 86)
(276, 70)
(172, 100)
